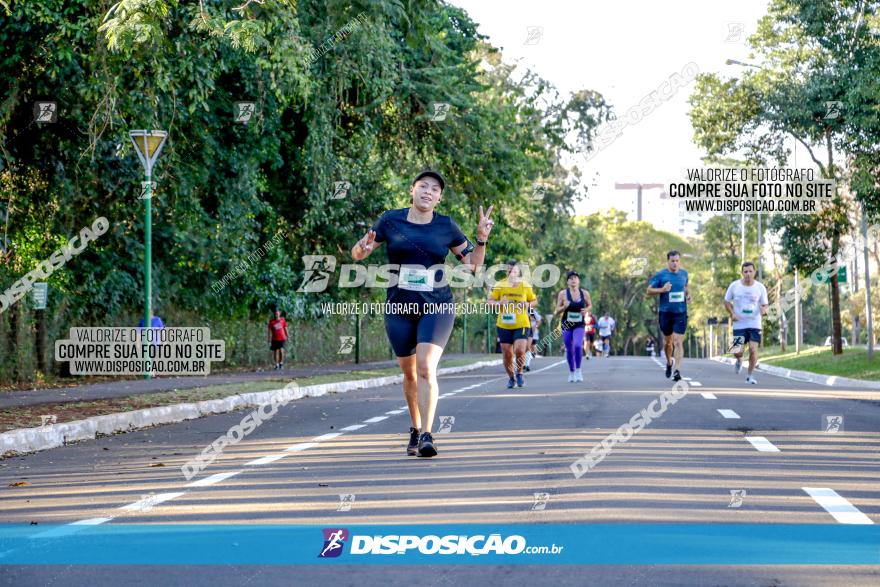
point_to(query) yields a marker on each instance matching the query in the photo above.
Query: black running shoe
(668, 371)
(426, 445)
(413, 447)
(676, 376)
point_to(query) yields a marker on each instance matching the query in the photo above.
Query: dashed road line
(836, 505)
(207, 481)
(265, 460)
(762, 444)
(299, 447)
(729, 414)
(148, 503)
(353, 427)
(376, 419)
(708, 395)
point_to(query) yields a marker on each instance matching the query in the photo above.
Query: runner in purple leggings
(573, 303)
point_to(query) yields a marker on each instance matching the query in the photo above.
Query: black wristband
(481, 243)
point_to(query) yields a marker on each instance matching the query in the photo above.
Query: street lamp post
(639, 187)
(868, 312)
(148, 145)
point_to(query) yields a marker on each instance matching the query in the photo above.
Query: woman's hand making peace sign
(484, 226)
(365, 246)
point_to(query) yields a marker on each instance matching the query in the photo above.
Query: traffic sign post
(148, 145)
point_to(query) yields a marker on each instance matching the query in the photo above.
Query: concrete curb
(25, 440)
(829, 380)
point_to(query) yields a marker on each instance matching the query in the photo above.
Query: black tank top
(573, 306)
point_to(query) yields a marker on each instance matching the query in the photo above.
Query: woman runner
(418, 239)
(573, 303)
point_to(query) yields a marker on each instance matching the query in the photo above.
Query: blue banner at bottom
(536, 544)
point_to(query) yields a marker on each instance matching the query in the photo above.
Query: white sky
(625, 50)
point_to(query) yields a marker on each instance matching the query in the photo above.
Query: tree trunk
(836, 330)
(856, 329)
(41, 341)
(12, 343)
(836, 343)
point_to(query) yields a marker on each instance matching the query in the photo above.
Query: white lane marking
(556, 364)
(696, 384)
(149, 502)
(708, 395)
(266, 460)
(836, 505)
(762, 444)
(730, 414)
(686, 378)
(215, 478)
(70, 528)
(90, 522)
(656, 360)
(442, 396)
(301, 446)
(353, 427)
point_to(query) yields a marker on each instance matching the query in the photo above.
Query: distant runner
(589, 334)
(606, 326)
(671, 284)
(535, 320)
(514, 299)
(278, 338)
(746, 302)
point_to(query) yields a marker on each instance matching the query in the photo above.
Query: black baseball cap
(431, 173)
(572, 273)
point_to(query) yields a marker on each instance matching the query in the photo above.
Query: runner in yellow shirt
(513, 298)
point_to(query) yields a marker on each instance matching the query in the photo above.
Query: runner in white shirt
(606, 325)
(746, 302)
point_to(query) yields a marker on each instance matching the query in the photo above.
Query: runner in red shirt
(277, 338)
(589, 334)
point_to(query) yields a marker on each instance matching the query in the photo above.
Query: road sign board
(40, 295)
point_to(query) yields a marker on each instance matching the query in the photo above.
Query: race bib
(575, 317)
(508, 318)
(676, 296)
(415, 279)
(748, 310)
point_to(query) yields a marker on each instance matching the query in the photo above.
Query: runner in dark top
(418, 240)
(573, 303)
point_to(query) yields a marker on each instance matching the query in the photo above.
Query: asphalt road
(503, 447)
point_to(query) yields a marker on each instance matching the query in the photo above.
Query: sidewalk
(50, 435)
(818, 378)
(119, 389)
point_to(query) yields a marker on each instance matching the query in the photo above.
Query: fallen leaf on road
(19, 484)
(157, 465)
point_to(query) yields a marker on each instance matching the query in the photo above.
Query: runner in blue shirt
(417, 241)
(671, 284)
